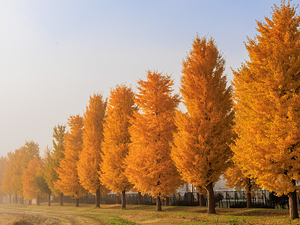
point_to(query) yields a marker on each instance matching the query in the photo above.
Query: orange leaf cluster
(68, 181)
(30, 190)
(200, 149)
(90, 157)
(149, 164)
(116, 141)
(267, 95)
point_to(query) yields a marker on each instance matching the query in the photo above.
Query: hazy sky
(55, 54)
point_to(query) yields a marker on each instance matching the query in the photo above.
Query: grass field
(17, 214)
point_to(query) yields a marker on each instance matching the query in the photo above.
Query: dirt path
(15, 217)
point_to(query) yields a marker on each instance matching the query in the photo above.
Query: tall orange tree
(149, 164)
(2, 164)
(54, 157)
(39, 179)
(90, 157)
(68, 180)
(30, 190)
(200, 149)
(21, 158)
(116, 141)
(6, 185)
(18, 164)
(267, 93)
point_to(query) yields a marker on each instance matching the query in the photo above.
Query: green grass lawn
(13, 214)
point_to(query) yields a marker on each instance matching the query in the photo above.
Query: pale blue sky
(55, 54)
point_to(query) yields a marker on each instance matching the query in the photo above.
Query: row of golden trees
(266, 151)
(142, 142)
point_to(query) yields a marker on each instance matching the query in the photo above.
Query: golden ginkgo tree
(2, 164)
(6, 184)
(200, 150)
(116, 141)
(68, 180)
(30, 190)
(54, 157)
(90, 157)
(267, 95)
(149, 164)
(18, 162)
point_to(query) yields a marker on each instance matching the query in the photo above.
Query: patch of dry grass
(13, 214)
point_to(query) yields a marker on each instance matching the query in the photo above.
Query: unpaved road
(15, 217)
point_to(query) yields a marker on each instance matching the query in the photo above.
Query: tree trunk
(139, 198)
(22, 200)
(9, 198)
(49, 198)
(202, 200)
(29, 202)
(167, 200)
(249, 202)
(38, 200)
(61, 199)
(123, 200)
(97, 200)
(76, 202)
(248, 190)
(211, 199)
(293, 205)
(158, 204)
(16, 199)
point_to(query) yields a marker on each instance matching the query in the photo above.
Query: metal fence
(223, 199)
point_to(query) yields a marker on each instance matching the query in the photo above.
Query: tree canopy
(200, 149)
(54, 157)
(68, 181)
(267, 104)
(116, 141)
(149, 164)
(90, 157)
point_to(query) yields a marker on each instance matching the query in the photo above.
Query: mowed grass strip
(13, 214)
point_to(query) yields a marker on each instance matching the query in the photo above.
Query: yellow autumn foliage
(200, 149)
(236, 178)
(116, 142)
(30, 190)
(16, 171)
(54, 157)
(268, 103)
(90, 157)
(6, 186)
(68, 181)
(149, 164)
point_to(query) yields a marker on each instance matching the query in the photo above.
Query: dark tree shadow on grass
(261, 213)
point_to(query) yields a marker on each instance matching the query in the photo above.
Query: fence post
(229, 202)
